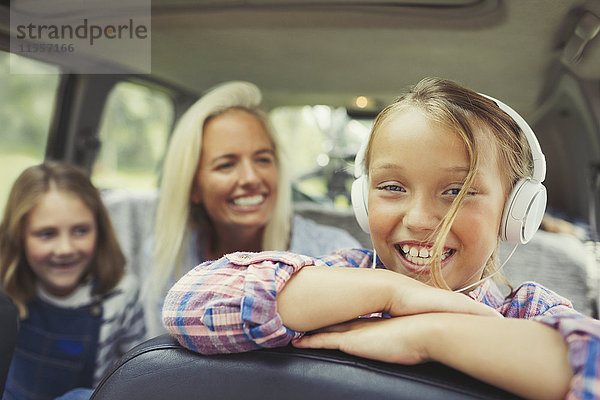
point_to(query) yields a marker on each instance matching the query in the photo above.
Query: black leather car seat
(162, 369)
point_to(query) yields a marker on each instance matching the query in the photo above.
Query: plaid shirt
(229, 306)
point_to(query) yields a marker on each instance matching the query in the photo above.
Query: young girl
(62, 266)
(439, 170)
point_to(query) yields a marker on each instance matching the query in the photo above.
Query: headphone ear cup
(523, 211)
(360, 199)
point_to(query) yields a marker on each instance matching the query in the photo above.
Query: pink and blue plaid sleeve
(229, 305)
(580, 333)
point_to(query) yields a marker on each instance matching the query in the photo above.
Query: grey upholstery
(559, 261)
(161, 369)
(132, 215)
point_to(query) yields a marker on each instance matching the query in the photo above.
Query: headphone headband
(539, 161)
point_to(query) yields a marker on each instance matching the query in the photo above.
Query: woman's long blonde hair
(175, 214)
(467, 113)
(16, 276)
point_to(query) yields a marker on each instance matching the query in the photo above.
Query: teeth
(249, 200)
(421, 255)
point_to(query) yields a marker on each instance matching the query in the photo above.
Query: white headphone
(524, 208)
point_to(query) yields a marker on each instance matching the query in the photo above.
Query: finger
(318, 341)
(440, 300)
(332, 328)
(346, 326)
(471, 306)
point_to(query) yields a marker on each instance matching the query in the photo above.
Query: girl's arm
(229, 306)
(317, 297)
(522, 356)
(244, 301)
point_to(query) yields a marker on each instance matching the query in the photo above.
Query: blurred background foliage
(134, 131)
(26, 105)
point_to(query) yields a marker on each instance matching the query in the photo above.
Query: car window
(134, 130)
(28, 91)
(320, 143)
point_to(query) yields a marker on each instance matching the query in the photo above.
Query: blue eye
(45, 234)
(82, 230)
(265, 160)
(453, 191)
(392, 188)
(224, 166)
(456, 191)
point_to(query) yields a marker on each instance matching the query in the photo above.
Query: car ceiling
(322, 52)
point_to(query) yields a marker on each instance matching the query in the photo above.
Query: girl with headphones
(444, 176)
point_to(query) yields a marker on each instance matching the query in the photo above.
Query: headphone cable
(491, 275)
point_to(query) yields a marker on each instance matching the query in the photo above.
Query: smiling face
(60, 238)
(417, 169)
(236, 181)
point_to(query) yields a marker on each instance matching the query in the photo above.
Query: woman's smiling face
(237, 175)
(417, 168)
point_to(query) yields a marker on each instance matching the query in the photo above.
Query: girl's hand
(413, 297)
(396, 340)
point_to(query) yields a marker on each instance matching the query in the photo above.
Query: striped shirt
(229, 306)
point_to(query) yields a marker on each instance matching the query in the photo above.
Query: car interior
(325, 69)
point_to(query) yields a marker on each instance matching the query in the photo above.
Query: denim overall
(56, 351)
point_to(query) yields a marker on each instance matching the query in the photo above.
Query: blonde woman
(225, 189)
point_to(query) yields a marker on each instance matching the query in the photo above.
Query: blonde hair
(17, 278)
(175, 214)
(467, 113)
